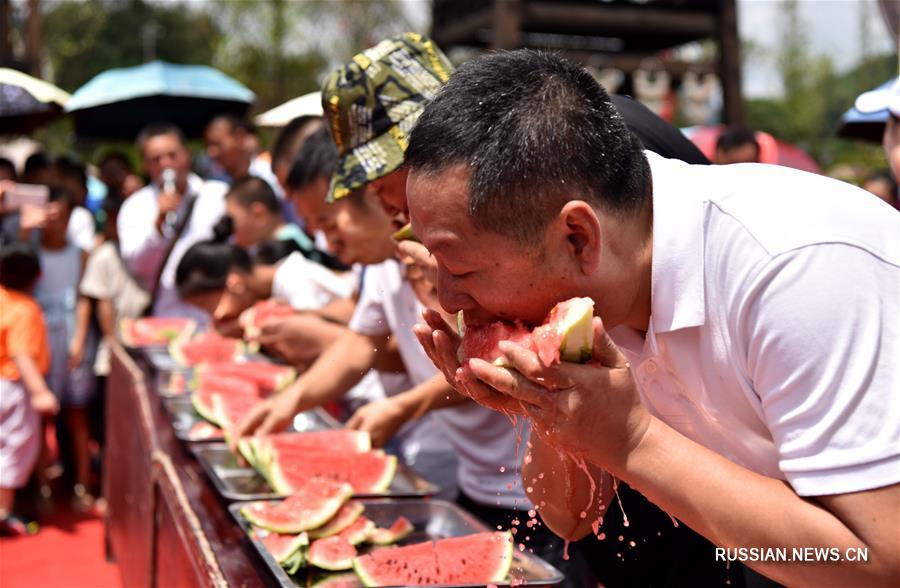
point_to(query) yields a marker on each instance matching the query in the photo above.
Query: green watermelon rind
(499, 575)
(282, 487)
(328, 509)
(576, 329)
(335, 526)
(207, 412)
(330, 565)
(360, 536)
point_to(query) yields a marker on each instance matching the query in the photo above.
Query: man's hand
(566, 400)
(45, 403)
(441, 343)
(381, 419)
(32, 217)
(166, 203)
(420, 255)
(269, 416)
(298, 339)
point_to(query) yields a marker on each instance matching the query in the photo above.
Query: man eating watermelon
(743, 377)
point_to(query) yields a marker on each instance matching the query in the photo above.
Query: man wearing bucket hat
(371, 104)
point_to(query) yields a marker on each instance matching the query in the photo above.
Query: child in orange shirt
(24, 359)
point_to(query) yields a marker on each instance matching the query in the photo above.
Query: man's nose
(451, 298)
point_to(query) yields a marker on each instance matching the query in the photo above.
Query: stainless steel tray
(432, 519)
(244, 483)
(173, 383)
(184, 418)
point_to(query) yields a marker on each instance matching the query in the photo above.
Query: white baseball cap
(887, 97)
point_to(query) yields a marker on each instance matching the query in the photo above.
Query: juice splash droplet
(502, 469)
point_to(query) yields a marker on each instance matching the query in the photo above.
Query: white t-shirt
(485, 441)
(81, 230)
(305, 284)
(774, 331)
(143, 247)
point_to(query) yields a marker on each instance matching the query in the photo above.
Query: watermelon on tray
(229, 409)
(282, 546)
(310, 507)
(344, 518)
(257, 315)
(396, 532)
(483, 558)
(341, 441)
(333, 553)
(268, 376)
(367, 473)
(153, 331)
(205, 347)
(202, 397)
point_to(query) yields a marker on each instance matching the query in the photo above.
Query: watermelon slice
(359, 531)
(310, 507)
(367, 473)
(343, 519)
(332, 553)
(405, 234)
(348, 580)
(260, 313)
(204, 348)
(202, 397)
(281, 545)
(399, 530)
(229, 410)
(483, 559)
(268, 376)
(566, 335)
(271, 447)
(149, 331)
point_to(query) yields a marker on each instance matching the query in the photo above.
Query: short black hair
(62, 195)
(69, 167)
(20, 266)
(250, 189)
(234, 122)
(734, 137)
(155, 130)
(117, 155)
(204, 267)
(285, 146)
(8, 166)
(111, 205)
(535, 130)
(36, 163)
(316, 159)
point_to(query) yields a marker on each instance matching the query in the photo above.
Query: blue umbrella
(868, 126)
(118, 103)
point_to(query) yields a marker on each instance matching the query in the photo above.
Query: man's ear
(580, 227)
(258, 210)
(235, 283)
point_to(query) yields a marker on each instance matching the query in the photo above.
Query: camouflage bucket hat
(372, 103)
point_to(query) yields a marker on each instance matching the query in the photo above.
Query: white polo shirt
(487, 446)
(774, 333)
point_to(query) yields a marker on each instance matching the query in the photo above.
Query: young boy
(255, 212)
(24, 395)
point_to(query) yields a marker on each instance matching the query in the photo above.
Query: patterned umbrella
(118, 103)
(27, 102)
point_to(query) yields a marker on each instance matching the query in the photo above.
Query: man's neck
(640, 270)
(261, 280)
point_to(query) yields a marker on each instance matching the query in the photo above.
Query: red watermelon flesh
(257, 315)
(204, 348)
(313, 443)
(332, 553)
(229, 410)
(202, 397)
(311, 506)
(566, 334)
(154, 330)
(483, 558)
(367, 473)
(267, 375)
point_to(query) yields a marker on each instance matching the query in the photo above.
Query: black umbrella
(27, 102)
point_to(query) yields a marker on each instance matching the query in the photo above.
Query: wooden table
(165, 525)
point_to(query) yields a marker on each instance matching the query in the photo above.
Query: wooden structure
(620, 34)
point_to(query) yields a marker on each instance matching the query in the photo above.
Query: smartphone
(19, 194)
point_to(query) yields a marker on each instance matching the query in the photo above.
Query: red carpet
(67, 552)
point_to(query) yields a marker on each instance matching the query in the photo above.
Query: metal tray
(173, 383)
(184, 417)
(244, 483)
(160, 359)
(432, 519)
